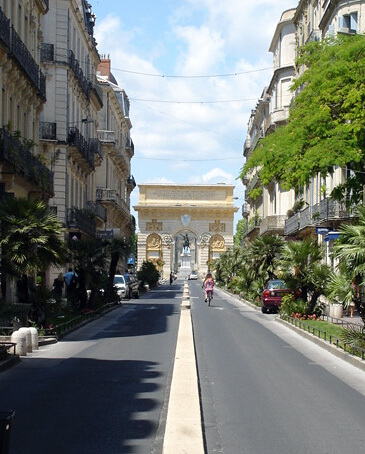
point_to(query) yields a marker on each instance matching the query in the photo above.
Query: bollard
(34, 337)
(28, 338)
(21, 342)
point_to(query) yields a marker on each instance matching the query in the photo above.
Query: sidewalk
(347, 320)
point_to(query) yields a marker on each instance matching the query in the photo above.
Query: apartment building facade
(311, 20)
(321, 215)
(23, 172)
(266, 214)
(114, 181)
(56, 119)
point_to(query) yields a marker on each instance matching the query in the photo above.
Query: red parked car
(272, 295)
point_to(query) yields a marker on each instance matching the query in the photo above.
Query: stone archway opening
(185, 256)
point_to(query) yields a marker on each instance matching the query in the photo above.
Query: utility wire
(198, 76)
(190, 160)
(192, 102)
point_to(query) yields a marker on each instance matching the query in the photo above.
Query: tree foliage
(30, 236)
(240, 228)
(326, 121)
(148, 274)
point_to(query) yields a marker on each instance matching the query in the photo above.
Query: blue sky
(189, 127)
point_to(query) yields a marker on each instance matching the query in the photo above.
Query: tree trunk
(312, 304)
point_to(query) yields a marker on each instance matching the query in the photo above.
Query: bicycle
(209, 296)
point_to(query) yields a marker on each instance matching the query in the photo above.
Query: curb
(9, 362)
(357, 362)
(353, 360)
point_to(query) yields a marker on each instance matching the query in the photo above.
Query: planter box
(336, 310)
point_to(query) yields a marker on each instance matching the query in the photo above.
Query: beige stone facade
(184, 227)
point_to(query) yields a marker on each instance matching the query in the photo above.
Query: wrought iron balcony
(24, 163)
(292, 224)
(129, 146)
(253, 182)
(75, 139)
(98, 210)
(4, 29)
(47, 52)
(82, 220)
(84, 84)
(272, 224)
(47, 130)
(96, 147)
(104, 195)
(24, 59)
(96, 89)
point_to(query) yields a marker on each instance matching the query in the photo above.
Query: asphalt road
(102, 389)
(266, 390)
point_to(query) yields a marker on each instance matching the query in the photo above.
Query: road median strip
(183, 433)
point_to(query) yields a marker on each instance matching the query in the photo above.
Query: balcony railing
(253, 182)
(106, 136)
(81, 220)
(96, 147)
(98, 210)
(24, 59)
(292, 224)
(111, 196)
(327, 209)
(47, 52)
(24, 163)
(95, 87)
(4, 29)
(252, 224)
(75, 138)
(47, 130)
(130, 146)
(272, 224)
(84, 84)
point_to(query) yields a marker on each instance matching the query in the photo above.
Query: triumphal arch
(184, 227)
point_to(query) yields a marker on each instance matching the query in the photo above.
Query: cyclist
(208, 284)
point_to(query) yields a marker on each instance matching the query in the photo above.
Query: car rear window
(276, 285)
(119, 280)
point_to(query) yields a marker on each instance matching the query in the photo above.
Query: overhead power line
(190, 160)
(186, 76)
(192, 102)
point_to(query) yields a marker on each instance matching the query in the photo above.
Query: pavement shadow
(145, 320)
(83, 406)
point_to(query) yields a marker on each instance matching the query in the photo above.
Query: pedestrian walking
(58, 285)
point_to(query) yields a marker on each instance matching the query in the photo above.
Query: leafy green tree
(240, 228)
(326, 122)
(148, 274)
(30, 239)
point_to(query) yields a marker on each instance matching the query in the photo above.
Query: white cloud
(205, 37)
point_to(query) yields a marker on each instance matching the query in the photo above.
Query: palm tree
(350, 251)
(264, 251)
(30, 238)
(89, 258)
(301, 267)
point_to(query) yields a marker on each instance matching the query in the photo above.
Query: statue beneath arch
(186, 243)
